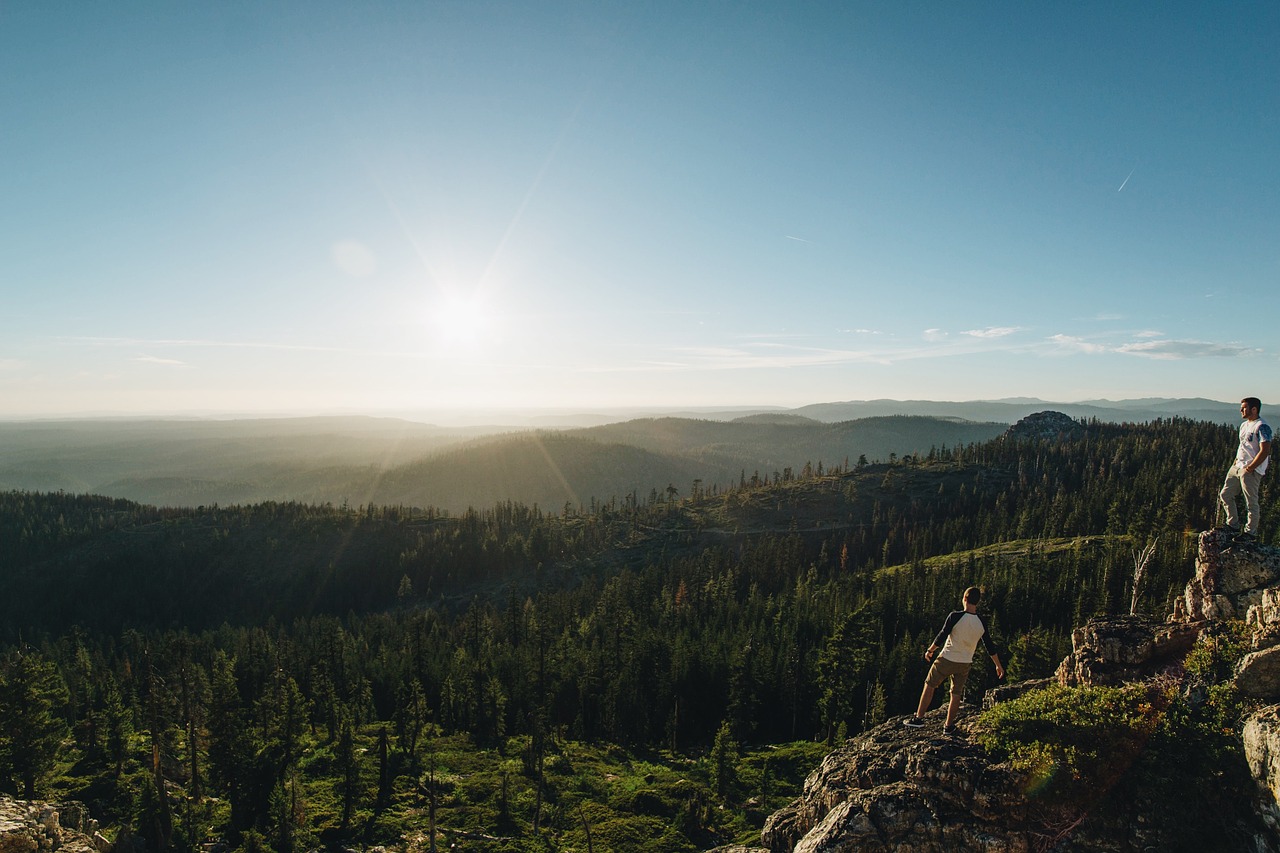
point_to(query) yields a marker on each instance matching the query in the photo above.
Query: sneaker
(913, 722)
(1226, 529)
(948, 730)
(1246, 538)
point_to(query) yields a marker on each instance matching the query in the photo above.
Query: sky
(295, 208)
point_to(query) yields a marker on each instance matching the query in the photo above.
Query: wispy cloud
(1164, 349)
(1071, 343)
(151, 359)
(992, 332)
(10, 364)
(1183, 349)
(775, 354)
(193, 342)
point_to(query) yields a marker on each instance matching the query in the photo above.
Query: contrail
(1127, 177)
(797, 239)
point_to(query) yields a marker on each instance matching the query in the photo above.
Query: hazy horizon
(535, 416)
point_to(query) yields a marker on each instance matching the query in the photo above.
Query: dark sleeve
(952, 618)
(986, 641)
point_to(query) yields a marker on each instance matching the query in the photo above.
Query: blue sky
(315, 207)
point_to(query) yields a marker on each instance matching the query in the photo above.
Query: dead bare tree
(1140, 560)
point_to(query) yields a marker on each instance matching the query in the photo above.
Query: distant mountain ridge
(1014, 409)
(381, 463)
(366, 460)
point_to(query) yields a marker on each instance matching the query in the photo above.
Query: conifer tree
(32, 729)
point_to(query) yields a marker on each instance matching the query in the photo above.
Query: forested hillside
(679, 623)
(384, 461)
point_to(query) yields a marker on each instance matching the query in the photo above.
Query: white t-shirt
(1252, 435)
(962, 631)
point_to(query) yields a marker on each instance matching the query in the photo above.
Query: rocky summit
(899, 789)
(1044, 425)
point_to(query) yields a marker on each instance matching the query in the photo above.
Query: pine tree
(724, 762)
(32, 697)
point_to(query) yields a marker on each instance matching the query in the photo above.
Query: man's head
(972, 596)
(1250, 408)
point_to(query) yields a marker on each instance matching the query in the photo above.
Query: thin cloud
(1165, 350)
(1177, 350)
(1071, 343)
(780, 355)
(992, 332)
(187, 342)
(935, 335)
(169, 362)
(10, 364)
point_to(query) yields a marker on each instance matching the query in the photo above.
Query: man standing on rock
(1246, 474)
(958, 640)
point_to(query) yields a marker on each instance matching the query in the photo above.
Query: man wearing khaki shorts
(958, 640)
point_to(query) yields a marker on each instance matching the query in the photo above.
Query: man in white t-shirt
(958, 640)
(1245, 476)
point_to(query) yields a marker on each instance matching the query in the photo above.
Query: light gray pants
(1238, 482)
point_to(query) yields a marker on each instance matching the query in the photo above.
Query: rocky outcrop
(1262, 745)
(27, 827)
(1044, 425)
(1119, 649)
(898, 789)
(894, 788)
(1257, 674)
(1230, 578)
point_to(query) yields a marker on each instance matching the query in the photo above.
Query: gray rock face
(36, 828)
(1263, 617)
(1258, 674)
(1262, 751)
(1230, 578)
(894, 788)
(1120, 649)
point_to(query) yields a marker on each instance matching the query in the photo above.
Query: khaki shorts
(942, 669)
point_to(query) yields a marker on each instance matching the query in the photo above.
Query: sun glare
(462, 322)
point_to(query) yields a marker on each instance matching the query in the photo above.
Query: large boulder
(1262, 751)
(894, 788)
(1257, 674)
(1118, 649)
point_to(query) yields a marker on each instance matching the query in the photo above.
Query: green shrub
(1073, 741)
(1216, 652)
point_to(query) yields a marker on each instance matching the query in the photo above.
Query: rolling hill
(362, 461)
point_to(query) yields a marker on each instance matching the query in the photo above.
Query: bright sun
(461, 321)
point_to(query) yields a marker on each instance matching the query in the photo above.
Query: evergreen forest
(651, 671)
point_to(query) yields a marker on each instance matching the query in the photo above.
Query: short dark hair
(973, 595)
(1253, 403)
